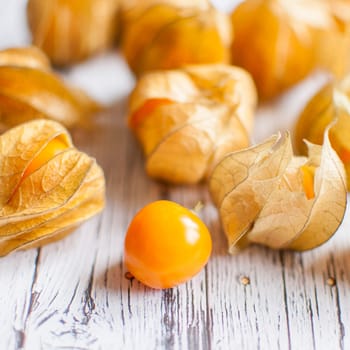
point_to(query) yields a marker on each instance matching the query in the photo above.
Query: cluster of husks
(281, 41)
(187, 119)
(193, 115)
(278, 41)
(47, 187)
(331, 104)
(30, 90)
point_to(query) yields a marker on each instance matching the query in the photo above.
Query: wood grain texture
(73, 294)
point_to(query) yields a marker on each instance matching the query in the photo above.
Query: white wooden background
(73, 294)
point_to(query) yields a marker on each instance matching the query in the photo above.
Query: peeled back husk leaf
(44, 197)
(281, 41)
(266, 195)
(71, 31)
(165, 34)
(186, 120)
(330, 104)
(30, 90)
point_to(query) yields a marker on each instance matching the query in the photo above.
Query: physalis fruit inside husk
(187, 119)
(48, 187)
(330, 104)
(29, 89)
(268, 196)
(281, 41)
(70, 31)
(166, 34)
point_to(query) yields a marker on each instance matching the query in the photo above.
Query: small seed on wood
(245, 280)
(331, 281)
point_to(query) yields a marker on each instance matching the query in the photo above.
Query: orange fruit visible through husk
(281, 41)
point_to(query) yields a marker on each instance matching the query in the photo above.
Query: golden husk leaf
(262, 195)
(187, 119)
(30, 57)
(71, 31)
(330, 104)
(166, 34)
(30, 90)
(46, 203)
(281, 41)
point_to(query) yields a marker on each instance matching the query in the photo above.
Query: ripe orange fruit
(166, 244)
(54, 147)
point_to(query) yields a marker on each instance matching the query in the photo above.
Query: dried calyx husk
(266, 195)
(165, 34)
(330, 104)
(71, 31)
(48, 187)
(187, 119)
(30, 90)
(281, 41)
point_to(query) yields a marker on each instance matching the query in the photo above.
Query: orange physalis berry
(146, 109)
(166, 244)
(308, 173)
(54, 147)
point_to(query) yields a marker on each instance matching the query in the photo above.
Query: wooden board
(73, 294)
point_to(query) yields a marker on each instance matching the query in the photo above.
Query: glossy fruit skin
(166, 244)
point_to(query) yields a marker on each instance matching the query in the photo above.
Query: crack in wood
(337, 300)
(208, 318)
(21, 334)
(129, 299)
(66, 311)
(19, 338)
(168, 319)
(307, 301)
(46, 318)
(88, 301)
(285, 300)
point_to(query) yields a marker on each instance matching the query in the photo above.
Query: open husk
(165, 34)
(29, 89)
(45, 191)
(266, 195)
(281, 41)
(71, 31)
(330, 104)
(186, 120)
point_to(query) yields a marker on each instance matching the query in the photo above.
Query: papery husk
(71, 31)
(330, 104)
(210, 114)
(281, 41)
(261, 199)
(45, 205)
(166, 34)
(30, 90)
(333, 43)
(29, 56)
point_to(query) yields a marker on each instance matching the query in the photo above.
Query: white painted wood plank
(17, 273)
(73, 294)
(76, 296)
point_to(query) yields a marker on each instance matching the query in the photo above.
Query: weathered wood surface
(73, 294)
